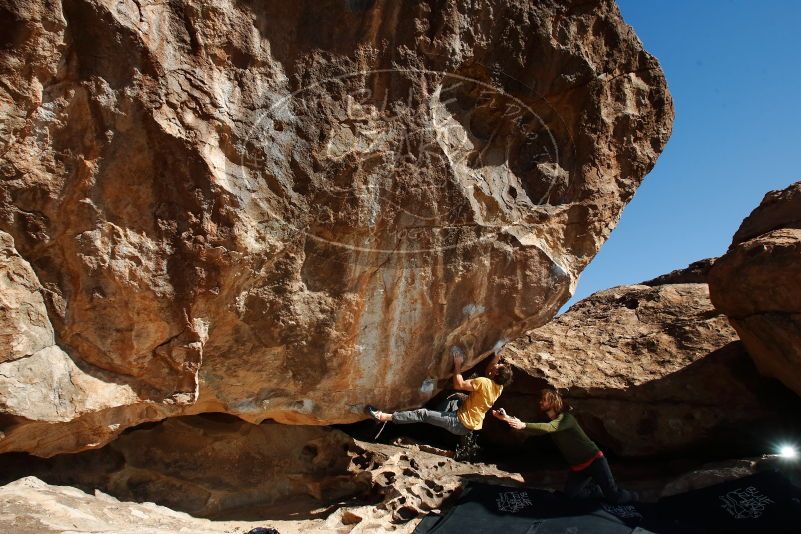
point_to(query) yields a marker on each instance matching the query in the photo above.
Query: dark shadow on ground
(295, 509)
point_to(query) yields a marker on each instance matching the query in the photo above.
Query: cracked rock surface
(287, 210)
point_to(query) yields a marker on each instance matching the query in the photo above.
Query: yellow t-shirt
(485, 393)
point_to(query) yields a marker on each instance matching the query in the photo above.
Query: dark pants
(595, 481)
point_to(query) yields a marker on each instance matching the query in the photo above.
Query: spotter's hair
(553, 400)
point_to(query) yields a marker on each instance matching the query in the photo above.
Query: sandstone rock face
(288, 210)
(24, 326)
(649, 370)
(42, 390)
(757, 284)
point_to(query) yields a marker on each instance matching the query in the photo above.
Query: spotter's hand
(516, 423)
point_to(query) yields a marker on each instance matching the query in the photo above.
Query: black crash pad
(508, 510)
(765, 503)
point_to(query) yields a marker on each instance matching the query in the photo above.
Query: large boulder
(650, 370)
(288, 210)
(757, 284)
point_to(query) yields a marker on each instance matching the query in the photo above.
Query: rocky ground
(405, 484)
(401, 483)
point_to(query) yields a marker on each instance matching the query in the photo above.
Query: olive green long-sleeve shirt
(568, 436)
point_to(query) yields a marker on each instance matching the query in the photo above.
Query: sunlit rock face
(288, 210)
(651, 370)
(757, 284)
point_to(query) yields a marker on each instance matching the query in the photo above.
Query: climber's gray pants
(445, 419)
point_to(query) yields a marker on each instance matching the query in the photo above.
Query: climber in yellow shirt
(460, 417)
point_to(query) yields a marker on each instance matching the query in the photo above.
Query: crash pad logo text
(513, 501)
(745, 503)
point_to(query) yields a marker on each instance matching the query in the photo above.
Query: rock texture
(287, 210)
(205, 467)
(650, 370)
(31, 506)
(42, 390)
(757, 284)
(297, 478)
(695, 273)
(208, 465)
(718, 472)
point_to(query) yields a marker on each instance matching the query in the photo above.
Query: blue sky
(734, 71)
